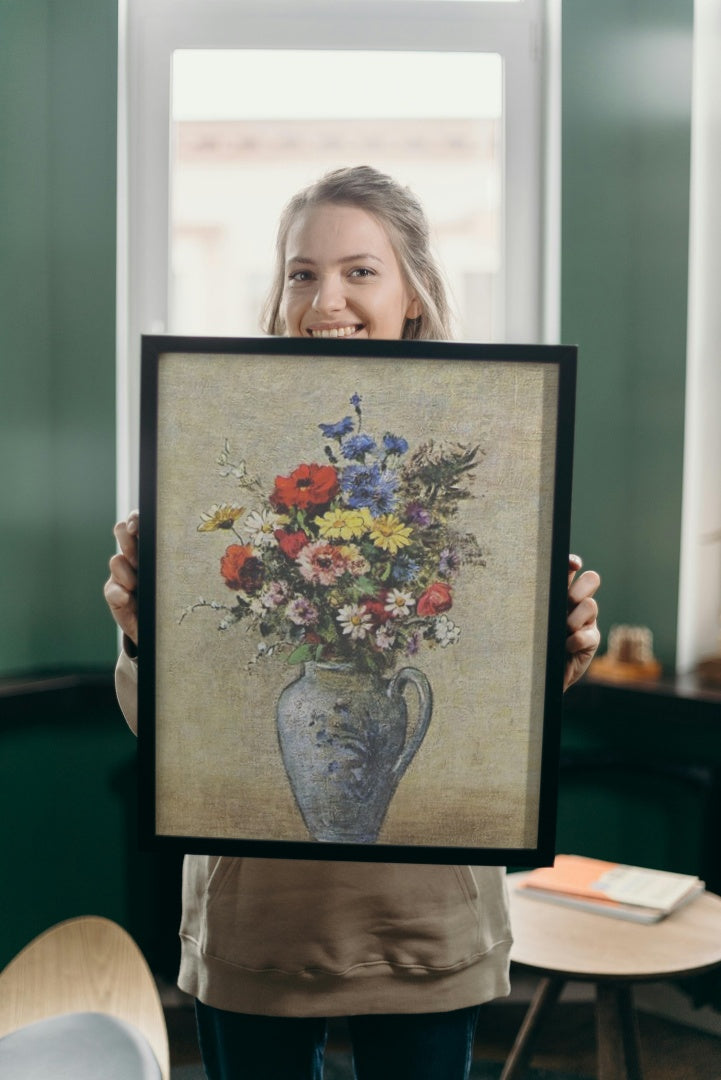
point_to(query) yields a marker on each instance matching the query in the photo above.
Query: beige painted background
(475, 779)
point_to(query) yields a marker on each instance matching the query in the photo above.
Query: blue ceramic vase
(345, 742)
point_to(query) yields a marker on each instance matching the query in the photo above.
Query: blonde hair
(403, 217)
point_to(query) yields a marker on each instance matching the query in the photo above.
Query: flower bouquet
(353, 560)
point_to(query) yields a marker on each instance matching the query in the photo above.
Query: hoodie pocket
(296, 916)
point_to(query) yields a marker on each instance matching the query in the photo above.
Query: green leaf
(301, 655)
(365, 586)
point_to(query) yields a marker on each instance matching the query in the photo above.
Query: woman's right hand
(121, 587)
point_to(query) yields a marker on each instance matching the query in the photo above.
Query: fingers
(126, 533)
(583, 613)
(575, 562)
(584, 586)
(582, 633)
(120, 588)
(123, 608)
(584, 641)
(123, 572)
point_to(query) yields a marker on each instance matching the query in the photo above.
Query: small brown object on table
(563, 944)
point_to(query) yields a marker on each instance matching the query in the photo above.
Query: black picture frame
(227, 427)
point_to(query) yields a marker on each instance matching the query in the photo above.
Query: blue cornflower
(357, 446)
(395, 444)
(337, 431)
(371, 486)
(404, 569)
(355, 400)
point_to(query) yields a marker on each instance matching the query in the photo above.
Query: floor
(670, 1051)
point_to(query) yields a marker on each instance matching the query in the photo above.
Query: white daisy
(355, 620)
(261, 525)
(399, 602)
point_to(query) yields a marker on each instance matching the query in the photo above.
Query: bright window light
(235, 148)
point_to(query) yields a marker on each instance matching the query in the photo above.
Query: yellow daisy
(220, 517)
(341, 524)
(390, 534)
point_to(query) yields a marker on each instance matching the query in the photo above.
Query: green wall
(58, 72)
(626, 146)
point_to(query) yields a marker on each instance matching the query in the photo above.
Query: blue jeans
(415, 1046)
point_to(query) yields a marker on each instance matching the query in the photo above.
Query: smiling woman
(353, 259)
(343, 294)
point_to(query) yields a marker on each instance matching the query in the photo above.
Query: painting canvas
(353, 566)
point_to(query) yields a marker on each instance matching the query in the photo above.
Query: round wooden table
(562, 944)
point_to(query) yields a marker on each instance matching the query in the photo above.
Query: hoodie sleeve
(126, 687)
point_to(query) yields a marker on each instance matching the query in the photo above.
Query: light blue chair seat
(78, 1046)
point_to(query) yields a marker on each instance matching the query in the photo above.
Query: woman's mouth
(335, 331)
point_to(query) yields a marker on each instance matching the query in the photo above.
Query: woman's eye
(362, 272)
(300, 277)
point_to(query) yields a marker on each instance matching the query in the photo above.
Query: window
(226, 104)
(324, 110)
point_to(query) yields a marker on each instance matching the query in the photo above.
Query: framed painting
(352, 597)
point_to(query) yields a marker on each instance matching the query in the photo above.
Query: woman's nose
(329, 296)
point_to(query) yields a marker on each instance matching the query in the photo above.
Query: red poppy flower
(435, 599)
(291, 543)
(241, 569)
(307, 486)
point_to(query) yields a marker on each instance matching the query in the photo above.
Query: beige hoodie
(284, 937)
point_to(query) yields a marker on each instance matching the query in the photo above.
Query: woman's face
(342, 277)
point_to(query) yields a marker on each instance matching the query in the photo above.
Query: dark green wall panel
(58, 76)
(626, 146)
(68, 802)
(26, 490)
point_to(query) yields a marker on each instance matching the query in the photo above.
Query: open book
(608, 888)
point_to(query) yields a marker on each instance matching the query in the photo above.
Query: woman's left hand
(582, 634)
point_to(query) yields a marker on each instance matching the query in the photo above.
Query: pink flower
(274, 595)
(301, 612)
(435, 599)
(321, 563)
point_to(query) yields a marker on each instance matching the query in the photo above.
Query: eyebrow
(362, 256)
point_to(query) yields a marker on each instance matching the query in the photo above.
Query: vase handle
(425, 708)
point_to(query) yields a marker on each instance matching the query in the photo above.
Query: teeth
(336, 332)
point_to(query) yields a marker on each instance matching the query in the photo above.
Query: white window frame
(526, 34)
(699, 597)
